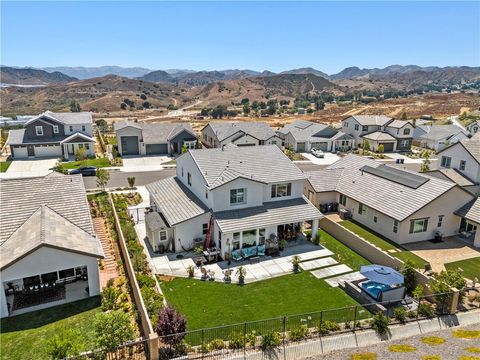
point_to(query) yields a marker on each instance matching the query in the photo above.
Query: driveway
(30, 168)
(329, 158)
(406, 159)
(144, 163)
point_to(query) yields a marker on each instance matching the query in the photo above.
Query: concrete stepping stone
(334, 281)
(315, 254)
(317, 263)
(330, 271)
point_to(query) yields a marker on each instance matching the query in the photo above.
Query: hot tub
(374, 289)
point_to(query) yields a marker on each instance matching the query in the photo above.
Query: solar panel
(396, 175)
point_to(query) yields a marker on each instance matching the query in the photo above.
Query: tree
(184, 149)
(171, 325)
(365, 146)
(426, 161)
(64, 344)
(245, 101)
(131, 183)
(319, 104)
(102, 178)
(404, 116)
(74, 106)
(112, 329)
(101, 124)
(81, 154)
(246, 109)
(409, 275)
(381, 148)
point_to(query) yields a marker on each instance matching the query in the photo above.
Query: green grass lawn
(209, 304)
(383, 243)
(470, 267)
(4, 165)
(99, 163)
(342, 253)
(25, 336)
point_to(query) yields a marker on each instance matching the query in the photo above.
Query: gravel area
(453, 348)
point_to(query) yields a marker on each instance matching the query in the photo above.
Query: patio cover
(269, 214)
(382, 274)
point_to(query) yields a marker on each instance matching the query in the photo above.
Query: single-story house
(49, 250)
(140, 138)
(470, 223)
(438, 137)
(218, 134)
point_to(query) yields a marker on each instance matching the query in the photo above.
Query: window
(375, 219)
(362, 210)
(404, 143)
(274, 142)
(364, 128)
(249, 238)
(39, 130)
(463, 164)
(440, 220)
(343, 200)
(206, 194)
(163, 235)
(182, 171)
(71, 128)
(189, 179)
(87, 146)
(395, 226)
(55, 129)
(356, 127)
(261, 236)
(446, 161)
(236, 241)
(418, 226)
(281, 190)
(63, 274)
(83, 128)
(80, 146)
(406, 131)
(238, 196)
(204, 229)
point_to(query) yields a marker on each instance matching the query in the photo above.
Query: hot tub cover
(382, 274)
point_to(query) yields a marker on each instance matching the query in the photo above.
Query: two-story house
(438, 137)
(53, 135)
(303, 136)
(233, 197)
(218, 134)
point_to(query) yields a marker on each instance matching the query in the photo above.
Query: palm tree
(241, 273)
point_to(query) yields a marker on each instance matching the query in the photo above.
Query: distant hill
(307, 70)
(17, 76)
(197, 78)
(81, 72)
(158, 76)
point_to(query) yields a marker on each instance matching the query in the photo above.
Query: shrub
(411, 314)
(326, 326)
(409, 275)
(64, 344)
(380, 323)
(109, 298)
(400, 314)
(402, 348)
(112, 329)
(236, 341)
(433, 340)
(299, 333)
(426, 310)
(170, 322)
(271, 340)
(216, 344)
(251, 338)
(145, 281)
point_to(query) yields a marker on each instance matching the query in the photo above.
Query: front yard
(383, 243)
(470, 267)
(4, 165)
(25, 336)
(98, 162)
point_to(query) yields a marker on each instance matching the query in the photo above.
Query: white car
(317, 153)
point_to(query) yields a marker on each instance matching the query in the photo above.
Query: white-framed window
(163, 235)
(55, 129)
(406, 131)
(39, 130)
(463, 165)
(395, 226)
(238, 196)
(375, 218)
(204, 229)
(190, 144)
(362, 210)
(404, 143)
(236, 241)
(281, 190)
(343, 200)
(70, 128)
(261, 236)
(418, 226)
(83, 128)
(440, 220)
(87, 146)
(446, 161)
(189, 179)
(356, 127)
(80, 146)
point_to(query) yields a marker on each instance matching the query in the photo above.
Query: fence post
(320, 331)
(354, 317)
(245, 341)
(203, 343)
(284, 334)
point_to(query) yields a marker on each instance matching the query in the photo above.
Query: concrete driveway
(406, 159)
(329, 158)
(144, 163)
(30, 168)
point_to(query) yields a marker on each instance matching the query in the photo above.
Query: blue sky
(255, 35)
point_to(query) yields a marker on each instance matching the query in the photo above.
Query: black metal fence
(134, 350)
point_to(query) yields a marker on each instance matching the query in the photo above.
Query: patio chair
(237, 255)
(261, 250)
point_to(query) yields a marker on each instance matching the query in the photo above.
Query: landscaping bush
(64, 344)
(327, 326)
(409, 275)
(109, 298)
(145, 281)
(299, 333)
(271, 340)
(380, 323)
(251, 338)
(426, 310)
(153, 301)
(171, 325)
(112, 329)
(236, 341)
(400, 314)
(216, 344)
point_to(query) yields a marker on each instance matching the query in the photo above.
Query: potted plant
(198, 250)
(296, 263)
(191, 271)
(241, 272)
(282, 244)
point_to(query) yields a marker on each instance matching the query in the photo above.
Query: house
(49, 250)
(53, 135)
(303, 136)
(218, 134)
(438, 137)
(231, 198)
(401, 205)
(470, 223)
(393, 135)
(139, 138)
(474, 127)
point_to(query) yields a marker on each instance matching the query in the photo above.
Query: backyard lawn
(210, 304)
(4, 165)
(383, 243)
(25, 336)
(99, 163)
(470, 267)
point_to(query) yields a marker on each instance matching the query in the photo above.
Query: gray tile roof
(18, 137)
(20, 198)
(156, 133)
(473, 146)
(379, 136)
(267, 164)
(470, 211)
(175, 201)
(438, 132)
(379, 120)
(324, 180)
(453, 175)
(271, 213)
(259, 130)
(397, 124)
(154, 221)
(68, 118)
(388, 197)
(47, 228)
(302, 130)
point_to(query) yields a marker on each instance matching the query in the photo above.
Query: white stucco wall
(221, 195)
(185, 232)
(245, 140)
(458, 153)
(198, 186)
(130, 131)
(78, 128)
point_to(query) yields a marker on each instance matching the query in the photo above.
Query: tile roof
(470, 211)
(397, 124)
(379, 120)
(453, 175)
(386, 196)
(156, 133)
(269, 214)
(379, 136)
(302, 130)
(20, 198)
(154, 221)
(175, 201)
(18, 137)
(259, 130)
(438, 132)
(267, 164)
(324, 180)
(68, 118)
(46, 227)
(473, 146)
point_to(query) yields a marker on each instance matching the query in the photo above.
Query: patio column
(476, 240)
(314, 228)
(3, 302)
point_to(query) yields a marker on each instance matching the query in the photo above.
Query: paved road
(454, 120)
(119, 178)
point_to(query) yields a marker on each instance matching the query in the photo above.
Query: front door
(30, 150)
(71, 149)
(175, 148)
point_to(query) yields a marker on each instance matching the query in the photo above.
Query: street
(119, 178)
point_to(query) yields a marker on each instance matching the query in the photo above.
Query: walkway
(110, 265)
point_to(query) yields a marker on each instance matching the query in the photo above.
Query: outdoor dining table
(211, 254)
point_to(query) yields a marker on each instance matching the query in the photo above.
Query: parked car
(84, 170)
(318, 153)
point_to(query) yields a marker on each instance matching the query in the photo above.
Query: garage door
(320, 146)
(300, 147)
(387, 147)
(156, 149)
(20, 152)
(130, 145)
(48, 151)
